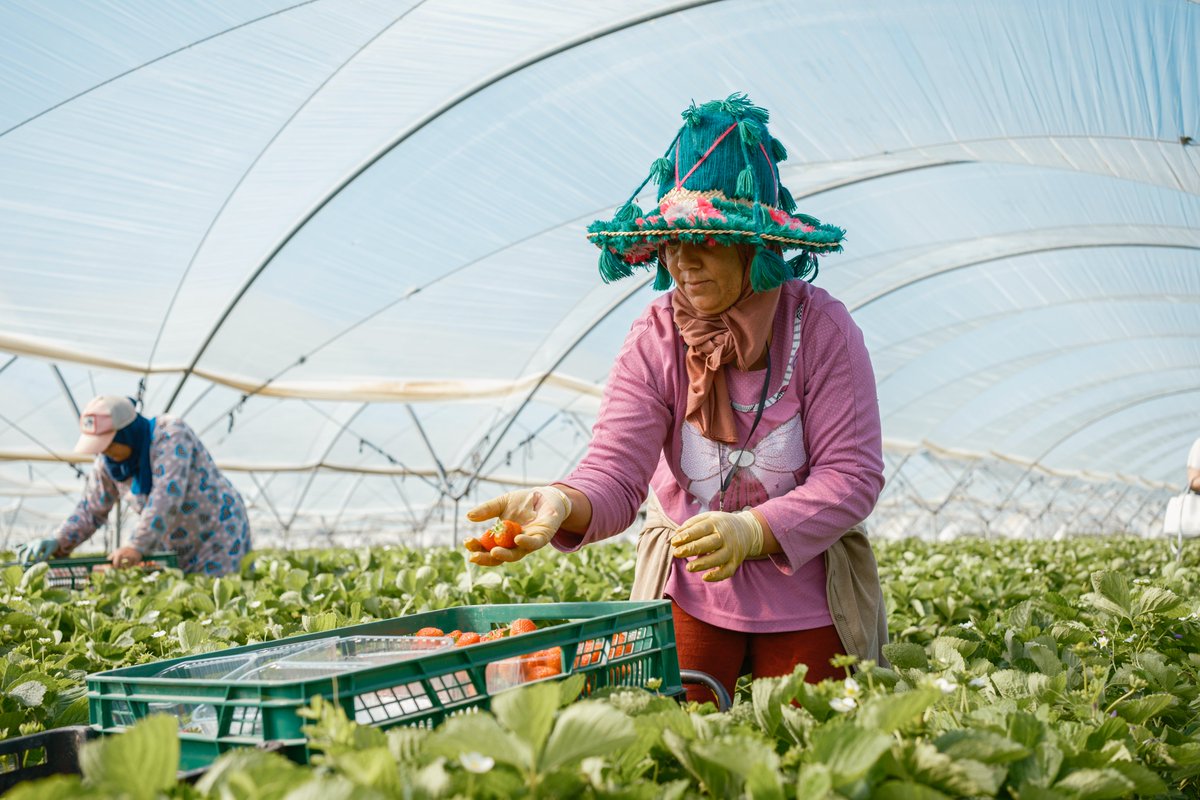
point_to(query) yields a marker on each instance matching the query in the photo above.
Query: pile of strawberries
(535, 666)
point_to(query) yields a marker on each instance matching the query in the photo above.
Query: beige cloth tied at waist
(852, 581)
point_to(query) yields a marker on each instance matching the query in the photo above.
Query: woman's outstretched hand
(721, 539)
(540, 512)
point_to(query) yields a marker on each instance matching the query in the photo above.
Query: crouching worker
(182, 501)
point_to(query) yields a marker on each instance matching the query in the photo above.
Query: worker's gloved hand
(721, 539)
(39, 550)
(125, 557)
(540, 512)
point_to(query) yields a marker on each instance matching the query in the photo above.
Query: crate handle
(704, 679)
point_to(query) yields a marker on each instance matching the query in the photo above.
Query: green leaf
(29, 694)
(926, 764)
(372, 767)
(906, 655)
(12, 576)
(815, 782)
(905, 790)
(1010, 683)
(478, 733)
(326, 621)
(770, 695)
(1156, 600)
(1025, 728)
(1140, 709)
(1033, 791)
(222, 590)
(980, 745)
(149, 750)
(569, 689)
(890, 712)
(848, 751)
(322, 787)
(941, 646)
(433, 778)
(713, 780)
(1113, 587)
(529, 713)
(57, 787)
(73, 713)
(587, 728)
(748, 757)
(1046, 659)
(1145, 781)
(190, 635)
(270, 774)
(34, 577)
(1096, 784)
(296, 580)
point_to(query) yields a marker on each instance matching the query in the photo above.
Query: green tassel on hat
(662, 278)
(767, 270)
(745, 184)
(661, 169)
(750, 133)
(786, 201)
(778, 151)
(629, 212)
(804, 266)
(612, 268)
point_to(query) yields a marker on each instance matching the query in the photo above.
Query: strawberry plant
(1018, 669)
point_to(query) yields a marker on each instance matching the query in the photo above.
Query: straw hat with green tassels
(718, 182)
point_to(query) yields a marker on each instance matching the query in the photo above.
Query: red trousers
(726, 654)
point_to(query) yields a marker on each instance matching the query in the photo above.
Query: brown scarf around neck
(738, 335)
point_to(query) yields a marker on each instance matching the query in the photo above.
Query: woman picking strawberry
(745, 399)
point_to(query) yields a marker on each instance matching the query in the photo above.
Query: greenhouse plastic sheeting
(345, 239)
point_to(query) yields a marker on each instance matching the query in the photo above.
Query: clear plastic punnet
(364, 651)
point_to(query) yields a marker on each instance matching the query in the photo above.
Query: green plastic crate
(613, 644)
(74, 573)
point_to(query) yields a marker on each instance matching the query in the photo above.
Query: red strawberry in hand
(505, 532)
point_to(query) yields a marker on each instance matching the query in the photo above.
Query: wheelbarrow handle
(704, 679)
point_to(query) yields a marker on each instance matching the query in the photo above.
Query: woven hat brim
(710, 217)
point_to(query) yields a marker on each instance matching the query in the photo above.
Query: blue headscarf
(137, 435)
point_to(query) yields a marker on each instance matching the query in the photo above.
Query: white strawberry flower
(946, 686)
(852, 687)
(968, 624)
(1102, 641)
(978, 683)
(476, 762)
(842, 704)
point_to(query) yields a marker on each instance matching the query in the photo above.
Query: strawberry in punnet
(492, 635)
(550, 658)
(538, 673)
(470, 637)
(454, 635)
(518, 626)
(430, 632)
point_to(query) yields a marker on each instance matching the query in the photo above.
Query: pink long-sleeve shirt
(817, 456)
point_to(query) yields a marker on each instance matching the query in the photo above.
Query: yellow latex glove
(723, 541)
(540, 511)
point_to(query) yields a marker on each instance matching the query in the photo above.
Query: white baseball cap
(101, 419)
